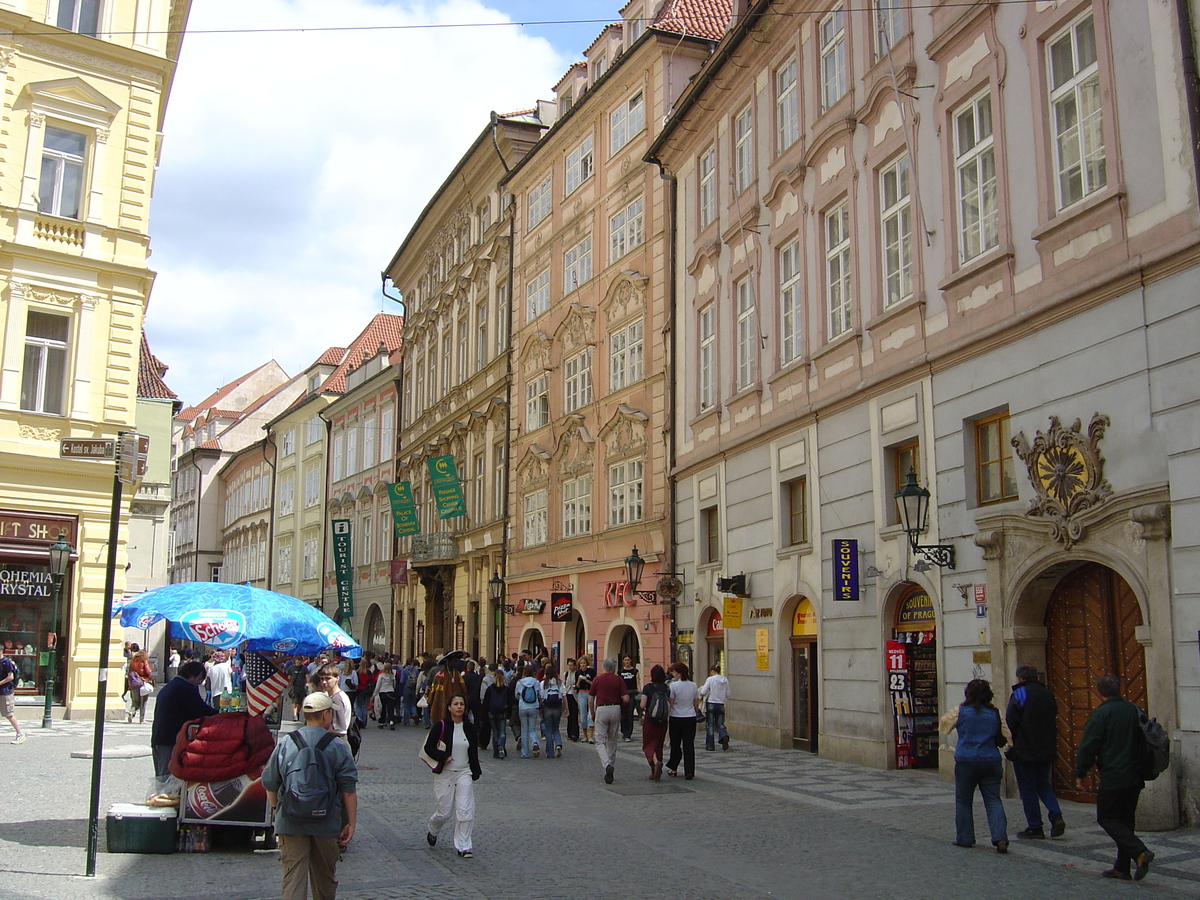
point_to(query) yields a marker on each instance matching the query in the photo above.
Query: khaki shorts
(8, 706)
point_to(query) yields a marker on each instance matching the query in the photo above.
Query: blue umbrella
(227, 615)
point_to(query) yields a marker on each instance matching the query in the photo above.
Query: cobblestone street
(755, 823)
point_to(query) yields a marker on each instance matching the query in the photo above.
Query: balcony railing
(438, 547)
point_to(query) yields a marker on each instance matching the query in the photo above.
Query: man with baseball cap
(309, 847)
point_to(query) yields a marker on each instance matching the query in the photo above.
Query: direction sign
(131, 464)
(87, 448)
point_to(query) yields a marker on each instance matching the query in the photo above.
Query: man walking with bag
(1114, 743)
(1032, 718)
(311, 783)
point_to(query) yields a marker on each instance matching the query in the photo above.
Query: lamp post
(60, 557)
(496, 595)
(912, 500)
(633, 575)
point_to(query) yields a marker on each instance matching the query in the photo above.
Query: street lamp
(496, 593)
(912, 500)
(60, 557)
(633, 574)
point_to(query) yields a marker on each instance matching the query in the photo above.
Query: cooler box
(134, 828)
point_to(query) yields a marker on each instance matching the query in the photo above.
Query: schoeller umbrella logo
(219, 628)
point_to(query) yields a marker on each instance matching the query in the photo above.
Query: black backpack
(309, 790)
(1156, 757)
(554, 696)
(658, 703)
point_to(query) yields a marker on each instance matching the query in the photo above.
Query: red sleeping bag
(221, 747)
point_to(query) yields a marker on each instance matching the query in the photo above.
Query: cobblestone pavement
(754, 824)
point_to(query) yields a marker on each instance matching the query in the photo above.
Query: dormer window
(599, 66)
(565, 101)
(637, 25)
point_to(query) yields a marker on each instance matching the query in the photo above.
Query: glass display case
(21, 639)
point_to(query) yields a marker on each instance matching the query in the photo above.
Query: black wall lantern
(496, 593)
(633, 574)
(913, 502)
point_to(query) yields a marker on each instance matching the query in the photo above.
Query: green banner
(404, 511)
(343, 568)
(447, 492)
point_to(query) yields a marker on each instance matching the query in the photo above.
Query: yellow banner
(731, 615)
(762, 648)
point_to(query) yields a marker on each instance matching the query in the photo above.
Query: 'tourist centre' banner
(342, 567)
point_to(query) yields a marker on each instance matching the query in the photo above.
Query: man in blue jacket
(1032, 718)
(177, 703)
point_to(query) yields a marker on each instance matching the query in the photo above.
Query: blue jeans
(499, 721)
(1033, 784)
(984, 774)
(550, 719)
(408, 706)
(714, 725)
(529, 718)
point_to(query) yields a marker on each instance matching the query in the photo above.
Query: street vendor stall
(219, 759)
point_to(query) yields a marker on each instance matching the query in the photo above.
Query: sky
(295, 160)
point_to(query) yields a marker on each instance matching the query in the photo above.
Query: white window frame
(370, 433)
(534, 532)
(481, 335)
(287, 445)
(498, 480)
(312, 430)
(743, 148)
(386, 435)
(1076, 115)
(502, 315)
(287, 494)
(537, 403)
(285, 564)
(707, 369)
(832, 37)
(626, 121)
(42, 355)
(888, 19)
(312, 486)
(77, 16)
(577, 506)
(539, 202)
(787, 112)
(839, 301)
(975, 184)
(577, 381)
(625, 230)
(707, 195)
(464, 355)
(339, 457)
(580, 165)
(625, 356)
(53, 197)
(895, 236)
(479, 494)
(747, 332)
(625, 492)
(537, 295)
(577, 265)
(791, 308)
(309, 571)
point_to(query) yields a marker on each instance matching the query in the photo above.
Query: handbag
(423, 703)
(146, 689)
(433, 764)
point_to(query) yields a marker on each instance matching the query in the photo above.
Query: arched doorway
(374, 636)
(624, 642)
(1091, 622)
(534, 642)
(714, 643)
(911, 662)
(804, 676)
(576, 636)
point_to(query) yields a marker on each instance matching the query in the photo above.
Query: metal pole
(58, 580)
(102, 678)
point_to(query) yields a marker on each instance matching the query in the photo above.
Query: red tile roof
(695, 18)
(330, 357)
(383, 331)
(219, 394)
(150, 375)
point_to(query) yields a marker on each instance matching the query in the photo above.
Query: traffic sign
(87, 448)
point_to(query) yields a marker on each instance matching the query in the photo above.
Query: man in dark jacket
(1113, 741)
(177, 703)
(1031, 716)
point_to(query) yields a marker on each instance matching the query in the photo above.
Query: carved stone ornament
(575, 450)
(625, 432)
(577, 328)
(625, 297)
(1067, 471)
(34, 433)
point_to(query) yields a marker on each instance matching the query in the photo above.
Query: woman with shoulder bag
(685, 707)
(139, 685)
(977, 764)
(452, 745)
(656, 713)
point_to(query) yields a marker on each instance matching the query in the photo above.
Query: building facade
(958, 242)
(86, 91)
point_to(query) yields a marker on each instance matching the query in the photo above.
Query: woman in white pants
(453, 743)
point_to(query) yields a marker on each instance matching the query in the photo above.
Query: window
(447, 359)
(747, 332)
(599, 66)
(579, 165)
(285, 564)
(498, 484)
(535, 518)
(485, 218)
(896, 232)
(312, 486)
(637, 25)
(577, 372)
(288, 445)
(44, 377)
(537, 404)
(791, 314)
(431, 394)
(796, 497)
(905, 458)
(60, 189)
(80, 16)
(995, 477)
(339, 457)
(481, 330)
(975, 178)
(837, 269)
(708, 357)
(565, 102)
(310, 559)
(352, 449)
(743, 149)
(386, 527)
(833, 58)
(787, 116)
(625, 359)
(368, 442)
(626, 121)
(889, 25)
(463, 355)
(1075, 113)
(312, 430)
(537, 296)
(502, 314)
(539, 202)
(366, 549)
(577, 265)
(625, 492)
(386, 437)
(577, 506)
(625, 230)
(708, 187)
(710, 522)
(479, 494)
(287, 493)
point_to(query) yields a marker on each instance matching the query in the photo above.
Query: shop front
(28, 631)
(911, 666)
(805, 703)
(714, 642)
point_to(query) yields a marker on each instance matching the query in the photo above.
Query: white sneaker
(20, 738)
(536, 751)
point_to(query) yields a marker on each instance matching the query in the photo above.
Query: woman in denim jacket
(977, 764)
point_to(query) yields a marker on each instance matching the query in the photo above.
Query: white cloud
(294, 163)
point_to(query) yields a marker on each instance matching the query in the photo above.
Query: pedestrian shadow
(46, 832)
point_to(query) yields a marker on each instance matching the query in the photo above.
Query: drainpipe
(270, 439)
(324, 518)
(199, 506)
(1191, 80)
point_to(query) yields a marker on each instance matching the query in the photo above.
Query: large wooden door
(1090, 622)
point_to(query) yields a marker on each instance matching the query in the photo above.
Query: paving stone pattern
(754, 824)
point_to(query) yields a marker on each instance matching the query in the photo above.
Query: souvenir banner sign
(342, 568)
(845, 570)
(447, 492)
(404, 511)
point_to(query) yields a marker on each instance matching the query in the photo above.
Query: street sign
(87, 448)
(131, 465)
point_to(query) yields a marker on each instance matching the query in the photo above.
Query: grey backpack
(309, 789)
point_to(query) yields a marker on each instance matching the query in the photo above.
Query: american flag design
(265, 683)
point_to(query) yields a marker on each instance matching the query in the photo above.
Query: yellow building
(82, 110)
